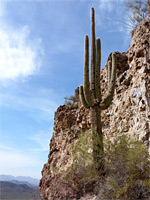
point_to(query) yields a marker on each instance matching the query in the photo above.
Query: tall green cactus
(90, 94)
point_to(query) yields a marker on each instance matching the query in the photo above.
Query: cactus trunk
(97, 138)
(90, 94)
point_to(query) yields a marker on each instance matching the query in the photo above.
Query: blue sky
(41, 62)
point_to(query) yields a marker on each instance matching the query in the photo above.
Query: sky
(41, 62)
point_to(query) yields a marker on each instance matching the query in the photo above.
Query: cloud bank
(18, 57)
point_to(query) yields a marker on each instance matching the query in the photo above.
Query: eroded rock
(129, 113)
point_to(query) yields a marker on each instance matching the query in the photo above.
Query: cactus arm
(113, 73)
(82, 98)
(107, 101)
(93, 52)
(87, 92)
(109, 73)
(97, 70)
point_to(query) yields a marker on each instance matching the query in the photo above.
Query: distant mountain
(19, 179)
(22, 183)
(12, 191)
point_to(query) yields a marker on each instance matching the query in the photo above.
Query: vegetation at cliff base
(127, 171)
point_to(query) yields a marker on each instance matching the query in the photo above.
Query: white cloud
(106, 5)
(18, 56)
(5, 147)
(114, 12)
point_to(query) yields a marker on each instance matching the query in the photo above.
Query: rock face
(129, 113)
(130, 110)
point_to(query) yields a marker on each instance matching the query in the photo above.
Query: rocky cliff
(129, 113)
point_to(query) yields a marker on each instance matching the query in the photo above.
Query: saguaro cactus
(90, 94)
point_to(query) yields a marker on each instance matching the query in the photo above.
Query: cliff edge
(129, 113)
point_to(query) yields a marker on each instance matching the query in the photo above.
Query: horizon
(16, 176)
(41, 62)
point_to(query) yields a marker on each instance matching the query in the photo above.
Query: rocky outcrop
(68, 123)
(129, 113)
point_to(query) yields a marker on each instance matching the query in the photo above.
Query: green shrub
(127, 169)
(82, 175)
(82, 157)
(127, 172)
(73, 99)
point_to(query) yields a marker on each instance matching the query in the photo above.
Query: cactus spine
(90, 94)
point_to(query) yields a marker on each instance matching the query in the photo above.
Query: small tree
(139, 12)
